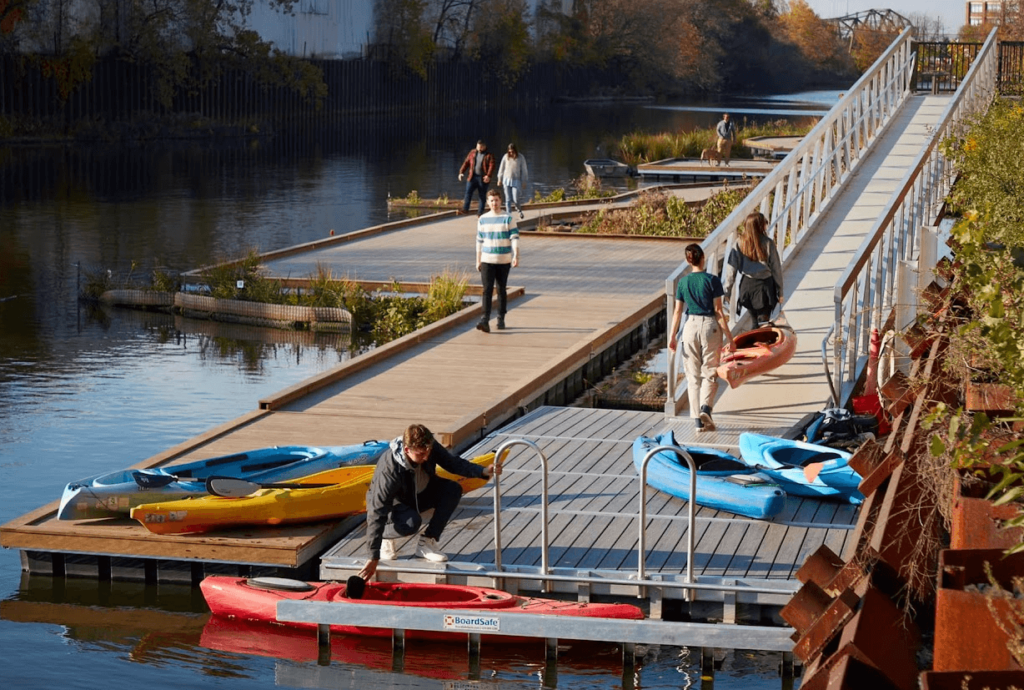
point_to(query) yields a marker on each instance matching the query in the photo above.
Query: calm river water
(84, 391)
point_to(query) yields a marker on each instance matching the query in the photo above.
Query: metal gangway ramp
(853, 211)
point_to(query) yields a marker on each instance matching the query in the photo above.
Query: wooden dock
(689, 169)
(593, 530)
(587, 303)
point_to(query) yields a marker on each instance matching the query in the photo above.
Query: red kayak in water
(255, 599)
(757, 351)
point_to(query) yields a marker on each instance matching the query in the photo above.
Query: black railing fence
(124, 92)
(942, 66)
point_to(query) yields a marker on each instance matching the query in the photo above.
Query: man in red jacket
(479, 168)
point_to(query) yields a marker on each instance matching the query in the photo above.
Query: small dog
(711, 155)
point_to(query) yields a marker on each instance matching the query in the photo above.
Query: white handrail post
(499, 454)
(691, 512)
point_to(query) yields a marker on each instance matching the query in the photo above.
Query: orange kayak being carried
(757, 352)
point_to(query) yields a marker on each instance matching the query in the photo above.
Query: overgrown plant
(987, 297)
(640, 147)
(660, 214)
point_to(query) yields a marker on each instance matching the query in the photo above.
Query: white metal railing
(797, 191)
(866, 293)
(547, 578)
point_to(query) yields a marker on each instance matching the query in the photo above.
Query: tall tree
(500, 37)
(814, 38)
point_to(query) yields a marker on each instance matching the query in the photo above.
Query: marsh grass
(660, 214)
(641, 147)
(99, 281)
(413, 199)
(394, 314)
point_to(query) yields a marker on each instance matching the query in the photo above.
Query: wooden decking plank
(785, 557)
(566, 482)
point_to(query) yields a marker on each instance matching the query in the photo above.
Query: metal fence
(866, 294)
(121, 91)
(942, 66)
(794, 195)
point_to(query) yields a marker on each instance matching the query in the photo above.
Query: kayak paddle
(155, 480)
(233, 487)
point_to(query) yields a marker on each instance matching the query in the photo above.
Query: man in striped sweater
(497, 251)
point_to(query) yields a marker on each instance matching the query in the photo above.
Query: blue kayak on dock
(114, 494)
(803, 469)
(723, 482)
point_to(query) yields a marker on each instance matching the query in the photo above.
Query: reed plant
(636, 148)
(660, 214)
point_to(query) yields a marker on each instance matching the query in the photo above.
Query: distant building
(985, 12)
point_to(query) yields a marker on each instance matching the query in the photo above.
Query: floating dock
(693, 170)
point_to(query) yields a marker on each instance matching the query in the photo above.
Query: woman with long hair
(514, 177)
(756, 259)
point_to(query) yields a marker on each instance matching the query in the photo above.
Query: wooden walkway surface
(594, 493)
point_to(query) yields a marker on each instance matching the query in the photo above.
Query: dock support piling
(707, 667)
(323, 644)
(551, 650)
(398, 650)
(628, 665)
(474, 656)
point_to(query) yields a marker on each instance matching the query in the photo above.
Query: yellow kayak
(345, 495)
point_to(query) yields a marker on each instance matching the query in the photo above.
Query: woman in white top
(514, 177)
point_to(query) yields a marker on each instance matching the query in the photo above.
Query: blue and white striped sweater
(496, 237)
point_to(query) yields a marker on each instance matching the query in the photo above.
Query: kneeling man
(405, 485)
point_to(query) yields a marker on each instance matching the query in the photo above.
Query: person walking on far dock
(404, 485)
(726, 131)
(701, 292)
(514, 176)
(497, 251)
(479, 167)
(756, 258)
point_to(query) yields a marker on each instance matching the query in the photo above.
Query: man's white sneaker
(389, 549)
(427, 548)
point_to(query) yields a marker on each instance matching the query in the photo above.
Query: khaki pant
(702, 345)
(724, 147)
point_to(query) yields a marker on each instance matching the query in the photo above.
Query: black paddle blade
(233, 487)
(355, 586)
(149, 480)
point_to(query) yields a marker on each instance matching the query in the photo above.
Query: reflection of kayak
(345, 496)
(757, 351)
(236, 636)
(723, 482)
(256, 600)
(261, 639)
(804, 469)
(114, 494)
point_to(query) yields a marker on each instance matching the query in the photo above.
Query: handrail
(691, 511)
(866, 292)
(499, 455)
(795, 193)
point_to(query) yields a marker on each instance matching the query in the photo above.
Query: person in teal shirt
(701, 293)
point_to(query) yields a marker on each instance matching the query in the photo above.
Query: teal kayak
(114, 494)
(803, 469)
(723, 482)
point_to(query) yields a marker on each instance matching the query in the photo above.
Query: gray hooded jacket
(394, 479)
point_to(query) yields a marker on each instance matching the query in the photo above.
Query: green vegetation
(639, 147)
(986, 300)
(385, 316)
(660, 214)
(97, 282)
(413, 199)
